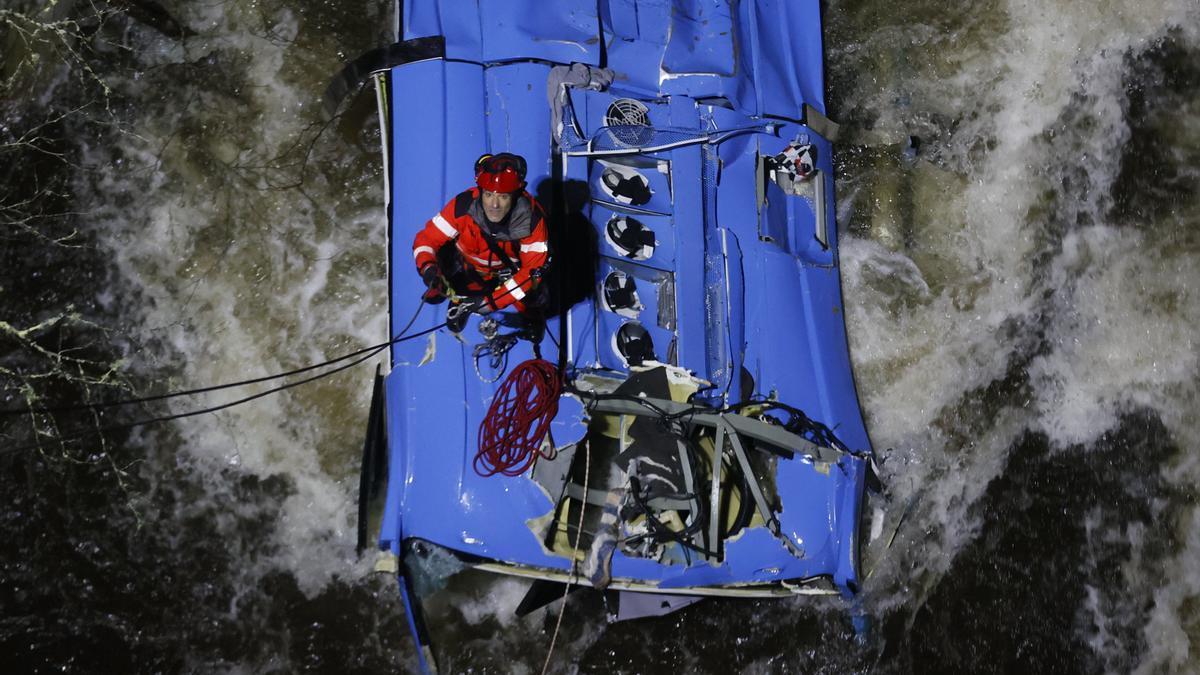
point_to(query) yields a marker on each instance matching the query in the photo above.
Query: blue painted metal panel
(634, 49)
(564, 31)
(848, 519)
(789, 69)
(687, 171)
(796, 346)
(434, 146)
(657, 47)
(700, 41)
(518, 119)
(768, 58)
(584, 351)
(391, 530)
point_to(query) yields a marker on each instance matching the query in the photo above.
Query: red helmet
(504, 172)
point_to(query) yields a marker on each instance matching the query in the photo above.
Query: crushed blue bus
(710, 431)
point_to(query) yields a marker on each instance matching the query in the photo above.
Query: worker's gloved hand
(435, 291)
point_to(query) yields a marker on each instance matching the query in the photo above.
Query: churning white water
(248, 244)
(1015, 262)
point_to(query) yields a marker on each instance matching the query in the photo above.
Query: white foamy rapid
(229, 268)
(1015, 269)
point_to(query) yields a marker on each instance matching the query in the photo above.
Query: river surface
(1023, 304)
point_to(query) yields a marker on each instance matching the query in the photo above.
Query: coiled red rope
(510, 437)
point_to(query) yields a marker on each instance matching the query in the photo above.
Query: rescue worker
(499, 250)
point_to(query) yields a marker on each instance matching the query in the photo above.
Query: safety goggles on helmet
(504, 172)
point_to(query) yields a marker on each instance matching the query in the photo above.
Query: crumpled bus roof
(741, 290)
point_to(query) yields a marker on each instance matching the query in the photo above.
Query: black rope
(364, 354)
(191, 413)
(798, 423)
(216, 387)
(664, 534)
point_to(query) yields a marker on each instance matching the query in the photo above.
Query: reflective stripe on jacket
(523, 241)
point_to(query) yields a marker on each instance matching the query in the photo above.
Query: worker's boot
(533, 326)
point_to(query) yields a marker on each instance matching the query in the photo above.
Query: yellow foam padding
(563, 545)
(681, 390)
(672, 520)
(612, 426)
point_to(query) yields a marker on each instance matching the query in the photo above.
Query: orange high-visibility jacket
(523, 241)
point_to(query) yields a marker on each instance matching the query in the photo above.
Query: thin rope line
(215, 387)
(587, 466)
(223, 406)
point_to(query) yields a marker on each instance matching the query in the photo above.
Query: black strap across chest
(496, 249)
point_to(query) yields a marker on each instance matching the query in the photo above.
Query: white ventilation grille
(629, 122)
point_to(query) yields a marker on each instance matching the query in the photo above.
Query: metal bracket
(714, 514)
(760, 500)
(732, 427)
(780, 439)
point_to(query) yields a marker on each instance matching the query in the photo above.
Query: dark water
(1023, 303)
